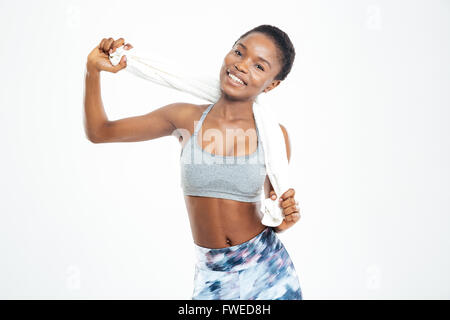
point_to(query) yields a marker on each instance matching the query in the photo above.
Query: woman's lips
(234, 83)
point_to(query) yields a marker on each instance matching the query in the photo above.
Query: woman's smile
(233, 80)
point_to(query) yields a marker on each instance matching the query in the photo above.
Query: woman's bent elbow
(94, 137)
(97, 135)
(94, 140)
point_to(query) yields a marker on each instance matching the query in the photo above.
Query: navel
(228, 241)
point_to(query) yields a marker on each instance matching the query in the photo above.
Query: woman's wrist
(91, 70)
(277, 229)
(282, 227)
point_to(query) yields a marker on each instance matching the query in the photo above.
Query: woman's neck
(232, 109)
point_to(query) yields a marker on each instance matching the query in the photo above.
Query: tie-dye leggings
(258, 269)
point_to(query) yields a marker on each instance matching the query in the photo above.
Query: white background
(366, 106)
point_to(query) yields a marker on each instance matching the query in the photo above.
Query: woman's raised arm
(158, 123)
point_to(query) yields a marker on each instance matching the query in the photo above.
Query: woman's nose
(242, 67)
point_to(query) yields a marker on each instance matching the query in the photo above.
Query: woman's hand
(98, 59)
(290, 209)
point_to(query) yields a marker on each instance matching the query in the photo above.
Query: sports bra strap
(200, 122)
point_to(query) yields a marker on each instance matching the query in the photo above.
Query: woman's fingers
(101, 45)
(104, 45)
(289, 193)
(98, 58)
(121, 65)
(293, 217)
(292, 213)
(291, 209)
(119, 42)
(108, 45)
(287, 203)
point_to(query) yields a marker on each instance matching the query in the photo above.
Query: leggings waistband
(241, 256)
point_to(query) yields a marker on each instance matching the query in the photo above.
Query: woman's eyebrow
(261, 58)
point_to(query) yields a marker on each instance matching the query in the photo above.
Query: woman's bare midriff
(220, 223)
(217, 222)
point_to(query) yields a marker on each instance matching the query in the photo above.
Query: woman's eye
(239, 54)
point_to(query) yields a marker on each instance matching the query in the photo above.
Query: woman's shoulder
(184, 113)
(287, 141)
(192, 108)
(187, 114)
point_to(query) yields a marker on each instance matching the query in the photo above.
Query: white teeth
(235, 78)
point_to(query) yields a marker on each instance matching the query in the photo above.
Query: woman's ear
(273, 85)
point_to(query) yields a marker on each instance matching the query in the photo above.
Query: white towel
(160, 70)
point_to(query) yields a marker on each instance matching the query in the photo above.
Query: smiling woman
(237, 256)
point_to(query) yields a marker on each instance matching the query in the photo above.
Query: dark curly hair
(283, 43)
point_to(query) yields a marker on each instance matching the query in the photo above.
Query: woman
(237, 256)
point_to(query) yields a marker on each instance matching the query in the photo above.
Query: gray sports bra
(205, 174)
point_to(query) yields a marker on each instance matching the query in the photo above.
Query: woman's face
(253, 59)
